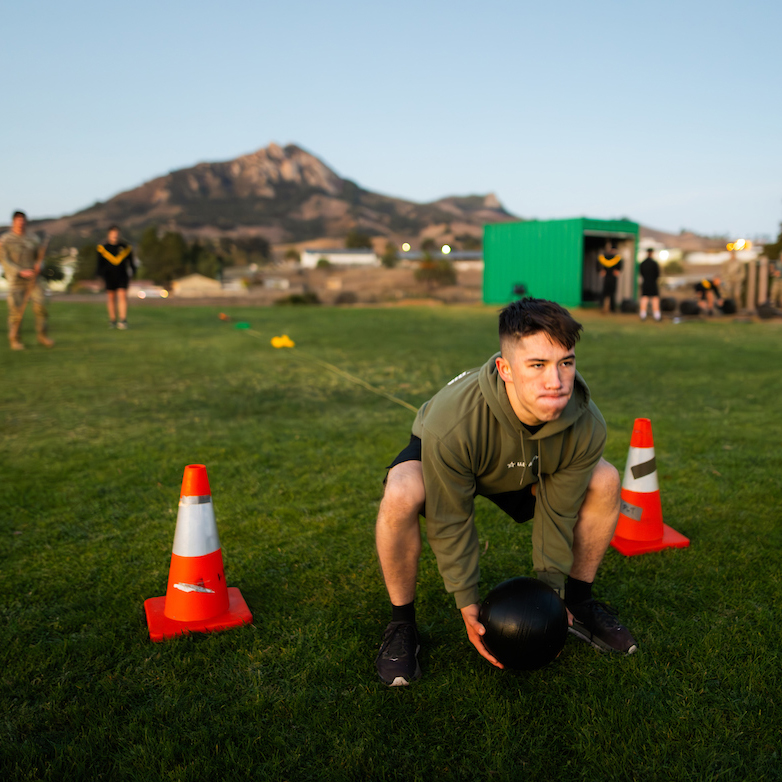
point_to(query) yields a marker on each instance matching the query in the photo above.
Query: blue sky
(668, 113)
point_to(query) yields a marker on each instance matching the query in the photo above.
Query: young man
(116, 267)
(21, 255)
(650, 273)
(522, 431)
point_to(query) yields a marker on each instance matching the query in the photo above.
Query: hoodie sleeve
(450, 518)
(560, 494)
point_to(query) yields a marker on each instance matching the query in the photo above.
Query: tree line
(165, 257)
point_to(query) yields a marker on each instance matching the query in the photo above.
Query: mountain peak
(282, 193)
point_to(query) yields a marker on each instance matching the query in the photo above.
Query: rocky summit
(283, 194)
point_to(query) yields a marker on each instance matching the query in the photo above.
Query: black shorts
(649, 288)
(116, 278)
(519, 505)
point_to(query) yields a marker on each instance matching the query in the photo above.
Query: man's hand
(28, 273)
(475, 630)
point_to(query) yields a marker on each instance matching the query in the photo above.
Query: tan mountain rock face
(285, 194)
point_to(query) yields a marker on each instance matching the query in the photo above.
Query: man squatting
(522, 431)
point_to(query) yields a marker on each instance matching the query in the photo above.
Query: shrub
(308, 297)
(436, 272)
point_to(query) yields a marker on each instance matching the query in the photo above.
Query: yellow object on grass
(283, 342)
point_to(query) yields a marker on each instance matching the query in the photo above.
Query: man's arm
(559, 497)
(450, 530)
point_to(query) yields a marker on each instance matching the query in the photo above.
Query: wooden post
(762, 280)
(752, 279)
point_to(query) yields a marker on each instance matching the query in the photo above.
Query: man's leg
(596, 521)
(111, 306)
(592, 621)
(656, 308)
(644, 307)
(398, 538)
(15, 298)
(122, 306)
(41, 316)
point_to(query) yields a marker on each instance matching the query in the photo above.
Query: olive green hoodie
(473, 443)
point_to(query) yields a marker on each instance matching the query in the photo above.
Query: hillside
(283, 194)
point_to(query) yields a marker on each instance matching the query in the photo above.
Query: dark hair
(529, 316)
(112, 228)
(17, 213)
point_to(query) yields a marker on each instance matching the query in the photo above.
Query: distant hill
(283, 194)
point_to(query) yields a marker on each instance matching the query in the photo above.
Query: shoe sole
(585, 635)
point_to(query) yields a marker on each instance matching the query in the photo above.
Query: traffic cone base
(162, 628)
(670, 539)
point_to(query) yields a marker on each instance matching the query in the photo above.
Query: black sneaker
(596, 624)
(397, 661)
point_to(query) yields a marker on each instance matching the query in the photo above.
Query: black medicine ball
(526, 623)
(689, 307)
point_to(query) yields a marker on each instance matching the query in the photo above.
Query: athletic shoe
(122, 325)
(397, 661)
(112, 324)
(596, 624)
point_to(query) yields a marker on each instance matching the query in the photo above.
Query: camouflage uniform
(16, 254)
(775, 294)
(732, 278)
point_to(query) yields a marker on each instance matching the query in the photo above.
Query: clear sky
(668, 112)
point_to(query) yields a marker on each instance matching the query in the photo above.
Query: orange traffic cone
(640, 529)
(197, 599)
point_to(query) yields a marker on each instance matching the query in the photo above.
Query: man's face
(113, 236)
(539, 376)
(19, 224)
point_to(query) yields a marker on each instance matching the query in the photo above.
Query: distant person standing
(116, 266)
(733, 278)
(22, 257)
(650, 274)
(609, 266)
(709, 291)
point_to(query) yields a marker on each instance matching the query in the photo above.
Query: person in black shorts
(650, 273)
(609, 267)
(522, 431)
(116, 266)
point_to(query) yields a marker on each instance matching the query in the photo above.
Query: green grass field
(95, 437)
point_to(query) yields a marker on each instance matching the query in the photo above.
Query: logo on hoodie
(532, 461)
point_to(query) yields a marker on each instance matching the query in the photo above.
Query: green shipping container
(556, 260)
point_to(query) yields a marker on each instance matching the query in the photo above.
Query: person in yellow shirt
(116, 266)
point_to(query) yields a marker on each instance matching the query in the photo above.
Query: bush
(390, 256)
(308, 297)
(673, 267)
(323, 263)
(346, 297)
(436, 272)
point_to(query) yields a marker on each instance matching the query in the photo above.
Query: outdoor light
(164, 294)
(445, 249)
(405, 247)
(664, 255)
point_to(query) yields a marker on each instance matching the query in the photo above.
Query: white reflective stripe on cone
(642, 458)
(196, 530)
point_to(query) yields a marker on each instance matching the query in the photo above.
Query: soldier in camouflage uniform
(775, 293)
(733, 278)
(22, 257)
